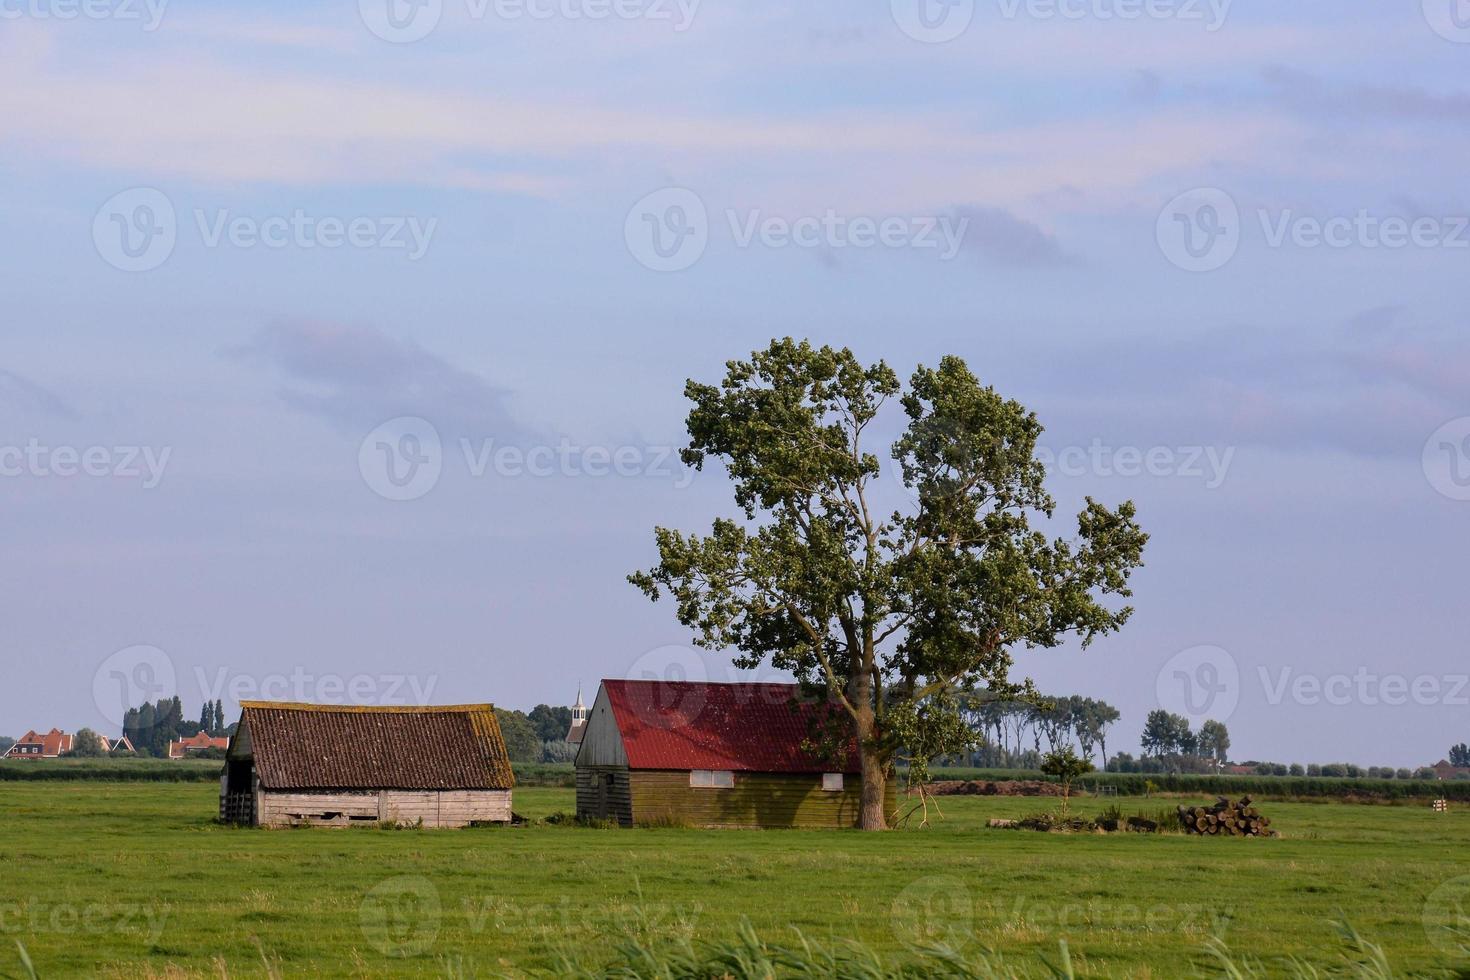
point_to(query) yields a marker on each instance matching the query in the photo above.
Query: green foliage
(1288, 787)
(889, 615)
(6, 742)
(86, 744)
(1064, 766)
(558, 750)
(1460, 755)
(551, 723)
(1214, 741)
(522, 743)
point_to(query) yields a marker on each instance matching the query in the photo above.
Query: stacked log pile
(1226, 819)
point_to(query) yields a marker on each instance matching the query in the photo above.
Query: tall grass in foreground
(748, 957)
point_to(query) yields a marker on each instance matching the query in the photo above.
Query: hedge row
(1135, 784)
(113, 770)
(207, 771)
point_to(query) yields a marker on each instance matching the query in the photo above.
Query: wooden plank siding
(604, 793)
(770, 800)
(435, 808)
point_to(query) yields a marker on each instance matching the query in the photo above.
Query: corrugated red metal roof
(327, 747)
(695, 725)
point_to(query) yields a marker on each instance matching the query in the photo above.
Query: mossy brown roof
(347, 747)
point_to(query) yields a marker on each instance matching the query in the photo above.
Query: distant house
(714, 755)
(121, 744)
(180, 748)
(1444, 769)
(579, 721)
(33, 745)
(293, 764)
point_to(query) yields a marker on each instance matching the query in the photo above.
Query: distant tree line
(151, 727)
(1460, 756)
(1016, 734)
(539, 736)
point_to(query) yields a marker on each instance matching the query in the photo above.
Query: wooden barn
(293, 764)
(712, 755)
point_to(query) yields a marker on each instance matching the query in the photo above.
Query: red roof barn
(720, 755)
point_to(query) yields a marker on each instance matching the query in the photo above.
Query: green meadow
(136, 879)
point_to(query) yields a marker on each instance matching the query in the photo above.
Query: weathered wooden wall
(435, 808)
(602, 743)
(603, 793)
(756, 800)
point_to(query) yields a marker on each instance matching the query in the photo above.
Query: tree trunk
(871, 817)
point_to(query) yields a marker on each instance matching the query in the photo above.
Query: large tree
(1214, 742)
(889, 616)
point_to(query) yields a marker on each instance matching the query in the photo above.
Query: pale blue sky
(1327, 548)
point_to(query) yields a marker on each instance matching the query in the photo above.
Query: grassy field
(130, 879)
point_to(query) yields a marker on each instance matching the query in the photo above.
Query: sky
(342, 346)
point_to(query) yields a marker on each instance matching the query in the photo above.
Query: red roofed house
(1444, 769)
(33, 745)
(715, 755)
(194, 743)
